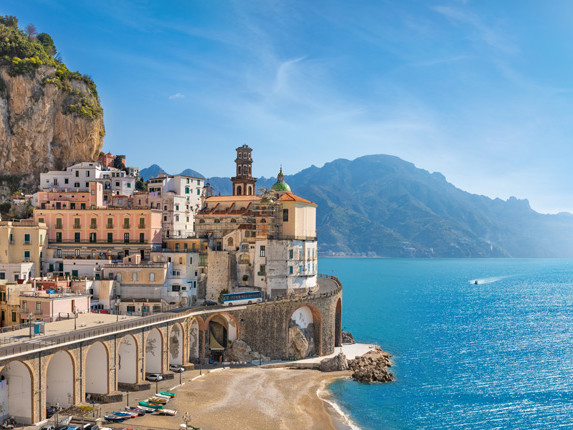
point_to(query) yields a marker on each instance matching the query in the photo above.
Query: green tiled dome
(280, 184)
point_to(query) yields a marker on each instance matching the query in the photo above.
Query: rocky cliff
(50, 117)
(38, 131)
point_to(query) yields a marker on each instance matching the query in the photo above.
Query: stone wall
(264, 327)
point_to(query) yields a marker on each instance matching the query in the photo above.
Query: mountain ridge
(381, 205)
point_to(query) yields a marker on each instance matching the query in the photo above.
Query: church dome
(280, 184)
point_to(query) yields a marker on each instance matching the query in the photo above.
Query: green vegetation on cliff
(25, 51)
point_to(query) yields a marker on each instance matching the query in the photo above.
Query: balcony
(102, 242)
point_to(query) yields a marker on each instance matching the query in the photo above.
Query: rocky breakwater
(370, 367)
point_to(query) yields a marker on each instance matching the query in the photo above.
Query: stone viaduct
(99, 363)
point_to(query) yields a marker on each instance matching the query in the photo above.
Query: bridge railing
(78, 335)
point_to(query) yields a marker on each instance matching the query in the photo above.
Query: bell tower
(243, 181)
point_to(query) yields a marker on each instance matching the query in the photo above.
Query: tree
(118, 163)
(9, 21)
(48, 43)
(140, 185)
(31, 30)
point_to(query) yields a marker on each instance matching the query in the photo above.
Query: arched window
(152, 277)
(239, 190)
(230, 242)
(239, 170)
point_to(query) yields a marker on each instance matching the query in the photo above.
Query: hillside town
(100, 240)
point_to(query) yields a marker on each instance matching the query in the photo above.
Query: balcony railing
(103, 241)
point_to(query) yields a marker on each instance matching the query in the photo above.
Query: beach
(254, 398)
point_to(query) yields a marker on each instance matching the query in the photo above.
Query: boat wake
(482, 281)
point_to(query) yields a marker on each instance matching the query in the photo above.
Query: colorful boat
(150, 405)
(167, 393)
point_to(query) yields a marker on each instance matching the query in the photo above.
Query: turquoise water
(497, 355)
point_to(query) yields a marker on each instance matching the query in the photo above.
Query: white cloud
(176, 96)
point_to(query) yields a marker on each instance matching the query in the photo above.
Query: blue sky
(478, 90)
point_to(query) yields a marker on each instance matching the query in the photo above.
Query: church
(259, 242)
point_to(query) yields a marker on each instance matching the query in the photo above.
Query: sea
(496, 354)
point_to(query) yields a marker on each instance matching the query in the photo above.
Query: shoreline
(341, 420)
(278, 398)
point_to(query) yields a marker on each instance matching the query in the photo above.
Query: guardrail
(82, 334)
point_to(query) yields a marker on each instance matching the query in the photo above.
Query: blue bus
(246, 298)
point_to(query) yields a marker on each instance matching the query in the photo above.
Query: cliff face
(43, 125)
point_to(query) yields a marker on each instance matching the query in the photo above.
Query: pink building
(39, 305)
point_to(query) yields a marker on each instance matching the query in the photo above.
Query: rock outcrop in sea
(372, 367)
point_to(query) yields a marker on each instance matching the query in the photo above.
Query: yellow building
(21, 247)
(10, 303)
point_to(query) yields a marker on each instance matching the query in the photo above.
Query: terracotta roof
(290, 197)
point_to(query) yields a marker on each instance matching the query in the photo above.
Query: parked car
(153, 377)
(210, 303)
(176, 368)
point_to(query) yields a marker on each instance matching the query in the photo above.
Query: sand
(253, 398)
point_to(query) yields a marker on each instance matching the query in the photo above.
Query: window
(152, 277)
(76, 184)
(129, 185)
(72, 205)
(26, 255)
(141, 222)
(164, 218)
(177, 247)
(77, 237)
(117, 184)
(262, 251)
(118, 277)
(59, 253)
(290, 254)
(141, 237)
(176, 217)
(93, 223)
(38, 307)
(198, 192)
(82, 206)
(180, 260)
(13, 316)
(175, 287)
(93, 238)
(2, 275)
(77, 223)
(125, 237)
(262, 270)
(26, 239)
(186, 190)
(87, 184)
(41, 220)
(77, 173)
(59, 223)
(285, 215)
(109, 223)
(198, 182)
(290, 270)
(66, 181)
(176, 207)
(130, 308)
(109, 237)
(134, 276)
(126, 223)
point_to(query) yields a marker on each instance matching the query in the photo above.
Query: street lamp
(75, 319)
(117, 303)
(30, 324)
(127, 398)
